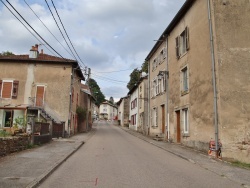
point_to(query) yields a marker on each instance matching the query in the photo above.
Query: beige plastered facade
(231, 45)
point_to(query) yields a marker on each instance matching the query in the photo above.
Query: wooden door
(39, 95)
(163, 118)
(178, 127)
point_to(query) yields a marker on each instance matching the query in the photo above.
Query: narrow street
(114, 158)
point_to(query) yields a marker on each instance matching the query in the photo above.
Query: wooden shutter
(7, 90)
(177, 46)
(187, 38)
(156, 116)
(1, 88)
(39, 95)
(15, 89)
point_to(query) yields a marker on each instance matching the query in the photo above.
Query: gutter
(214, 79)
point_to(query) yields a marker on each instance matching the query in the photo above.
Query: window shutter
(187, 38)
(177, 47)
(15, 89)
(156, 116)
(1, 88)
(151, 117)
(7, 90)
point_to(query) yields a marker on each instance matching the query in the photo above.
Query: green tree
(6, 53)
(96, 91)
(134, 78)
(144, 67)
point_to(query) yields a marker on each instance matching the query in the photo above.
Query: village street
(114, 158)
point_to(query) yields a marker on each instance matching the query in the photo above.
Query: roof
(183, 10)
(42, 58)
(137, 84)
(121, 99)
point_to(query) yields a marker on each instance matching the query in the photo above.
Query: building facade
(107, 111)
(208, 68)
(123, 111)
(41, 85)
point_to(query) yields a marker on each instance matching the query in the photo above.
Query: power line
(47, 28)
(66, 32)
(114, 82)
(32, 28)
(110, 78)
(59, 29)
(116, 71)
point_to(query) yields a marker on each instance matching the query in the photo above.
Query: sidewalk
(223, 169)
(29, 167)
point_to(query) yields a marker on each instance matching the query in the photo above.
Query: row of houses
(47, 89)
(197, 86)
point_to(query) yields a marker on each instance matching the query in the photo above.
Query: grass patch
(241, 165)
(3, 133)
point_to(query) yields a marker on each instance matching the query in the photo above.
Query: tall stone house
(207, 77)
(143, 105)
(133, 109)
(42, 85)
(86, 109)
(123, 111)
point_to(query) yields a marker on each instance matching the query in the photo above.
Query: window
(185, 121)
(9, 89)
(182, 43)
(140, 101)
(162, 55)
(154, 117)
(154, 64)
(158, 85)
(184, 79)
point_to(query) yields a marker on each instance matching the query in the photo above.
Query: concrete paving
(30, 167)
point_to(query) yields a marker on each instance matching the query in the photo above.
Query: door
(163, 118)
(178, 127)
(40, 95)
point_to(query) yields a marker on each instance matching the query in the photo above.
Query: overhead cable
(66, 32)
(35, 31)
(60, 29)
(47, 28)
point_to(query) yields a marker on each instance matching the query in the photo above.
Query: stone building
(207, 88)
(42, 85)
(123, 111)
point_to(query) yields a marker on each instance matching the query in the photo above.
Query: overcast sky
(112, 37)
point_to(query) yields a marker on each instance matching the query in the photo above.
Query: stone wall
(13, 144)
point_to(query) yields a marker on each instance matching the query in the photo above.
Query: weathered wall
(157, 101)
(232, 26)
(199, 98)
(13, 144)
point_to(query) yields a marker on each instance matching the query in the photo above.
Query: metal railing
(44, 107)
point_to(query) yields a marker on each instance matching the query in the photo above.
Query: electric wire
(116, 71)
(66, 32)
(26, 27)
(35, 30)
(110, 78)
(59, 29)
(47, 28)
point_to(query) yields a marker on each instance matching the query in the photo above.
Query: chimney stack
(34, 51)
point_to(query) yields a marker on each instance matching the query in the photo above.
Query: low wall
(13, 144)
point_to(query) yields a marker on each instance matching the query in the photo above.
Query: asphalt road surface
(114, 158)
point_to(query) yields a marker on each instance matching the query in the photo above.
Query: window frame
(185, 119)
(182, 44)
(184, 80)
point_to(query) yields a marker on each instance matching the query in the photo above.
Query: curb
(49, 171)
(146, 140)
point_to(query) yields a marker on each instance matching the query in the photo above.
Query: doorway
(8, 120)
(178, 127)
(40, 95)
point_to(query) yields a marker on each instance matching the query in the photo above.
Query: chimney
(34, 51)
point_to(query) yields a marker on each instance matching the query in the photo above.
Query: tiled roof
(41, 57)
